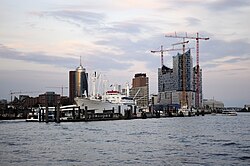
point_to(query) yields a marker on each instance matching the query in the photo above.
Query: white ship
(185, 111)
(229, 112)
(114, 96)
(94, 104)
(109, 100)
(99, 105)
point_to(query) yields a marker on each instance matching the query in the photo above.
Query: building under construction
(187, 97)
(170, 81)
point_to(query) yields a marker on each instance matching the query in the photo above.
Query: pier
(75, 114)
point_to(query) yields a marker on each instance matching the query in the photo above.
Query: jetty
(75, 114)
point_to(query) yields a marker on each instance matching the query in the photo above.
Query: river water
(203, 140)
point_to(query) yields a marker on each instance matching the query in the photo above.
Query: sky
(42, 40)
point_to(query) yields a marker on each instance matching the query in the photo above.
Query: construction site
(180, 87)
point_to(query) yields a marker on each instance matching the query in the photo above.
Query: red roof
(112, 91)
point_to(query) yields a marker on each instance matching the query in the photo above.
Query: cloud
(216, 5)
(98, 22)
(135, 50)
(124, 27)
(74, 16)
(128, 38)
(80, 18)
(100, 62)
(215, 49)
(119, 42)
(231, 66)
(232, 59)
(106, 63)
(191, 21)
(222, 5)
(37, 57)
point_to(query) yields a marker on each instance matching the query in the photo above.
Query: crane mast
(184, 102)
(161, 55)
(161, 51)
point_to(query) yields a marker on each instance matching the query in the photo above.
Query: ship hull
(98, 105)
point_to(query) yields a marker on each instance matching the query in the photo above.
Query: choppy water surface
(208, 140)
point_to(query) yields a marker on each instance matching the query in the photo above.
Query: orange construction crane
(61, 87)
(197, 38)
(183, 99)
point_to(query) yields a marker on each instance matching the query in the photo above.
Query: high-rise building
(140, 89)
(178, 71)
(78, 83)
(166, 81)
(170, 81)
(166, 84)
(49, 99)
(72, 85)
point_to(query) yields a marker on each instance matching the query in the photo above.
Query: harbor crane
(59, 87)
(197, 38)
(20, 92)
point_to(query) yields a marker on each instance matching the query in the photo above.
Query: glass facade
(166, 81)
(81, 82)
(170, 81)
(178, 71)
(78, 81)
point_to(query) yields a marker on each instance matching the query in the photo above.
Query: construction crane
(162, 51)
(197, 38)
(59, 87)
(20, 92)
(183, 99)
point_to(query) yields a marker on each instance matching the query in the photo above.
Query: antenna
(80, 60)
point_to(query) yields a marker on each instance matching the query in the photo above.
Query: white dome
(80, 69)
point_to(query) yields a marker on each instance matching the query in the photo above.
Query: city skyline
(41, 41)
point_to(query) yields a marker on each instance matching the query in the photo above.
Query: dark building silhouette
(72, 85)
(140, 89)
(78, 83)
(49, 98)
